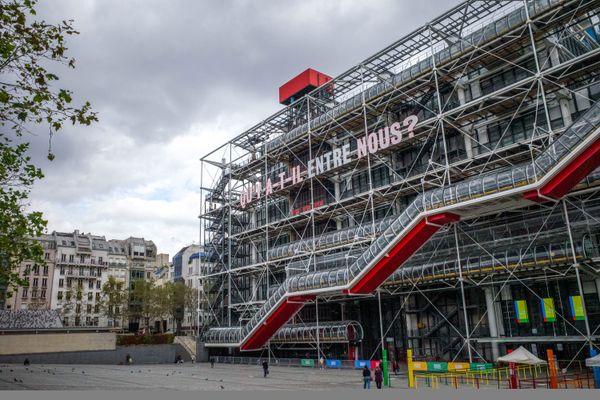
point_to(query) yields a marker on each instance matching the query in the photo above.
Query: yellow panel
(419, 366)
(458, 366)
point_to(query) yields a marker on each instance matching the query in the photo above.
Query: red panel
(573, 173)
(407, 246)
(534, 195)
(308, 78)
(275, 321)
(569, 176)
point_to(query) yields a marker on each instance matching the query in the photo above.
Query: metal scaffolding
(449, 142)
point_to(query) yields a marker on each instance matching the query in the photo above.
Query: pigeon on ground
(222, 387)
(15, 379)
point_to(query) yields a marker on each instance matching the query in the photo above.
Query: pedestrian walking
(265, 366)
(128, 359)
(212, 362)
(321, 362)
(396, 367)
(378, 377)
(366, 373)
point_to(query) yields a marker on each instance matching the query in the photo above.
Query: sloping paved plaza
(175, 376)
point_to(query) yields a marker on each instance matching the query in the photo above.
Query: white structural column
(491, 314)
(563, 96)
(409, 321)
(460, 91)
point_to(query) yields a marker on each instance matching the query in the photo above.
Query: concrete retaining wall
(58, 342)
(142, 354)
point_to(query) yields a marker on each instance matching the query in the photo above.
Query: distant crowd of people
(29, 319)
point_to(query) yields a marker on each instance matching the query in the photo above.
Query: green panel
(437, 367)
(481, 366)
(306, 362)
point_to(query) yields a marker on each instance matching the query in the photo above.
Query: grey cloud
(162, 71)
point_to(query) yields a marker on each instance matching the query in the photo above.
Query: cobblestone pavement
(177, 376)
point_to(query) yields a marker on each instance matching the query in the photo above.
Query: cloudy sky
(171, 80)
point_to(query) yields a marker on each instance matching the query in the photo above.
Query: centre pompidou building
(439, 196)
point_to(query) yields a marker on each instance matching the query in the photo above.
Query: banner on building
(548, 310)
(577, 311)
(521, 312)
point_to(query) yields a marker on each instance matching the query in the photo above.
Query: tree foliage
(113, 303)
(30, 98)
(143, 301)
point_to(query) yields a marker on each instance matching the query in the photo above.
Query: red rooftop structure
(300, 85)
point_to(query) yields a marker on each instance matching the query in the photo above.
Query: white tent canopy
(593, 362)
(521, 356)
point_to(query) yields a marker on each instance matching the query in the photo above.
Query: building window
(61, 282)
(68, 295)
(88, 309)
(90, 296)
(34, 294)
(47, 256)
(88, 321)
(36, 282)
(77, 321)
(45, 270)
(36, 269)
(69, 283)
(99, 272)
(78, 308)
(98, 284)
(63, 258)
(80, 271)
(62, 270)
(96, 309)
(45, 282)
(100, 260)
(95, 321)
(97, 296)
(43, 294)
(71, 258)
(59, 295)
(82, 259)
(91, 284)
(24, 294)
(80, 283)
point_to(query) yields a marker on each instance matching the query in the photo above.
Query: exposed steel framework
(492, 185)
